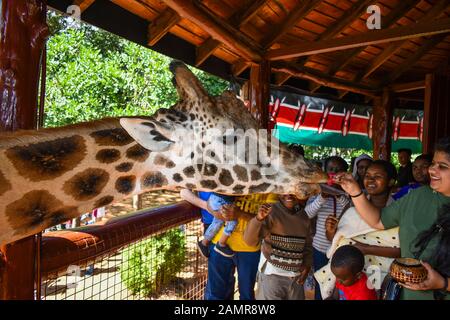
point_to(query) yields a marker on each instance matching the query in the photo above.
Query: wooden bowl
(408, 270)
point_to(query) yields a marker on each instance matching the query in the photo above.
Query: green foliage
(93, 74)
(154, 262)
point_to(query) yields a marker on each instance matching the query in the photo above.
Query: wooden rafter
(408, 86)
(413, 58)
(388, 52)
(389, 21)
(335, 29)
(83, 4)
(161, 25)
(242, 16)
(294, 16)
(217, 27)
(360, 40)
(321, 78)
(207, 48)
(239, 67)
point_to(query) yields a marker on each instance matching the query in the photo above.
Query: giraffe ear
(151, 134)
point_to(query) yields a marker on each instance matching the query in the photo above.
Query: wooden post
(23, 33)
(259, 91)
(382, 124)
(436, 118)
(137, 202)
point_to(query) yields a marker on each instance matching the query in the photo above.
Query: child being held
(347, 265)
(215, 202)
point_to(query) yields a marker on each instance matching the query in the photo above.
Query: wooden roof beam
(239, 67)
(162, 25)
(360, 40)
(408, 86)
(396, 14)
(244, 15)
(83, 4)
(281, 78)
(412, 59)
(388, 52)
(348, 17)
(322, 78)
(219, 29)
(207, 48)
(294, 16)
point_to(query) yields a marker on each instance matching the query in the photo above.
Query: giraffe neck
(53, 175)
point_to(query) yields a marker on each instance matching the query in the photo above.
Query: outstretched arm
(192, 198)
(370, 214)
(387, 252)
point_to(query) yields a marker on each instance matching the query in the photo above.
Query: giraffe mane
(24, 137)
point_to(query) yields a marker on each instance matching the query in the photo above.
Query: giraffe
(51, 175)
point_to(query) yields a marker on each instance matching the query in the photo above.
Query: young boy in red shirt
(347, 265)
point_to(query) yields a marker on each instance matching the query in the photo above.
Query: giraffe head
(215, 144)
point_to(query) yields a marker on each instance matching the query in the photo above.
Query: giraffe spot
(112, 137)
(124, 167)
(107, 155)
(209, 184)
(178, 114)
(153, 180)
(37, 210)
(148, 124)
(163, 161)
(87, 184)
(177, 177)
(126, 184)
(241, 173)
(190, 186)
(255, 175)
(259, 188)
(210, 169)
(5, 185)
(47, 160)
(238, 189)
(137, 153)
(189, 171)
(158, 136)
(225, 178)
(103, 201)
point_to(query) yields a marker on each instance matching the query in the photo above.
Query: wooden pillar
(23, 31)
(436, 119)
(382, 126)
(259, 92)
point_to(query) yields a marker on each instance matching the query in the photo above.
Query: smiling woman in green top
(416, 214)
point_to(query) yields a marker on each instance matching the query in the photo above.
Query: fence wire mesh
(165, 265)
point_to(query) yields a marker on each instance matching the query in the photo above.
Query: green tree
(93, 74)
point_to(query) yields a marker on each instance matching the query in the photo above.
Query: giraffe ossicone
(202, 142)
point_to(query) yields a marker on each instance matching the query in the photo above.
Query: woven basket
(408, 270)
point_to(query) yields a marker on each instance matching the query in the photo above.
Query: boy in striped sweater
(320, 207)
